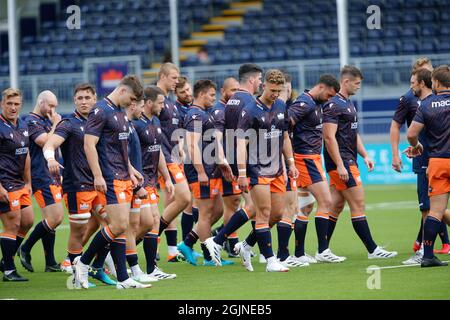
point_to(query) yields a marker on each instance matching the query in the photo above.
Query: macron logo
(440, 104)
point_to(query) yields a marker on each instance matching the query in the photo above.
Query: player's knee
(306, 210)
(119, 226)
(184, 198)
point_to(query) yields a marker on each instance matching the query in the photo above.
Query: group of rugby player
(107, 159)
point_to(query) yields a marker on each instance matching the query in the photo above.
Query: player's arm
(162, 168)
(54, 141)
(135, 175)
(363, 153)
(415, 149)
(329, 137)
(90, 142)
(42, 139)
(3, 195)
(241, 157)
(222, 161)
(289, 155)
(27, 173)
(395, 140)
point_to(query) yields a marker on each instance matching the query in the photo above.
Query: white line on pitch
(401, 266)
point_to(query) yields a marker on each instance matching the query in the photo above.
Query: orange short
(213, 189)
(277, 184)
(354, 178)
(48, 195)
(230, 188)
(84, 201)
(152, 198)
(17, 200)
(310, 169)
(176, 173)
(438, 176)
(119, 191)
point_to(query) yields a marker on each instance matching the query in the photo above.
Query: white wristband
(290, 160)
(49, 154)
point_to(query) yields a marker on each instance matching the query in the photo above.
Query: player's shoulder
(409, 98)
(303, 100)
(279, 104)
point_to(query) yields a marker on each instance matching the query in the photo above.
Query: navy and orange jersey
(40, 175)
(218, 114)
(134, 148)
(404, 113)
(150, 136)
(170, 121)
(434, 113)
(77, 176)
(341, 111)
(200, 121)
(307, 117)
(268, 125)
(233, 109)
(14, 144)
(182, 110)
(109, 123)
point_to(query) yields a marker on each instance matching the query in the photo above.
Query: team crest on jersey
(146, 132)
(194, 116)
(22, 143)
(302, 104)
(122, 195)
(125, 128)
(216, 112)
(115, 118)
(58, 196)
(11, 135)
(280, 116)
(263, 119)
(84, 206)
(243, 113)
(159, 130)
(25, 133)
(96, 111)
(82, 129)
(175, 121)
(126, 118)
(15, 203)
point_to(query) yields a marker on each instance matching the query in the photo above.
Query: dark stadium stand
(281, 30)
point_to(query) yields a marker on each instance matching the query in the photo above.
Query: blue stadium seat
(28, 40)
(392, 18)
(68, 66)
(317, 51)
(388, 77)
(409, 47)
(52, 67)
(243, 56)
(38, 51)
(141, 47)
(372, 48)
(333, 50)
(371, 76)
(107, 50)
(445, 30)
(280, 39)
(430, 30)
(390, 48)
(318, 36)
(412, 4)
(297, 52)
(427, 47)
(58, 51)
(225, 57)
(443, 46)
(260, 54)
(355, 34)
(409, 32)
(44, 39)
(357, 20)
(48, 25)
(410, 17)
(428, 16)
(356, 49)
(298, 38)
(277, 54)
(88, 50)
(59, 37)
(4, 69)
(35, 68)
(25, 54)
(392, 32)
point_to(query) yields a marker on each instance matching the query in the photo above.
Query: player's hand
(243, 183)
(397, 164)
(54, 116)
(170, 188)
(136, 178)
(369, 164)
(412, 152)
(100, 184)
(293, 172)
(142, 193)
(53, 167)
(343, 173)
(203, 179)
(227, 173)
(4, 195)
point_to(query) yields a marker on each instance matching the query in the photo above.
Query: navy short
(422, 191)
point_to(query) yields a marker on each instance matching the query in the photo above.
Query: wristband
(290, 160)
(49, 154)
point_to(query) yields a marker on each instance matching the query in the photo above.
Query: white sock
(136, 270)
(172, 250)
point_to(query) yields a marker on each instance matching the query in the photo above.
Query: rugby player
(306, 117)
(265, 125)
(433, 115)
(80, 196)
(342, 145)
(106, 148)
(46, 186)
(405, 112)
(16, 212)
(148, 129)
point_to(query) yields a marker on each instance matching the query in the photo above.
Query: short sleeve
(401, 112)
(219, 119)
(330, 113)
(419, 117)
(96, 121)
(63, 129)
(245, 122)
(193, 122)
(298, 110)
(35, 129)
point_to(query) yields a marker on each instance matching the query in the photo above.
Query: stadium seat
(297, 52)
(372, 49)
(409, 47)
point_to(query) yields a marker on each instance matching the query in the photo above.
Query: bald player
(46, 187)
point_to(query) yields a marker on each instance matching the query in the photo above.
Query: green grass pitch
(393, 217)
